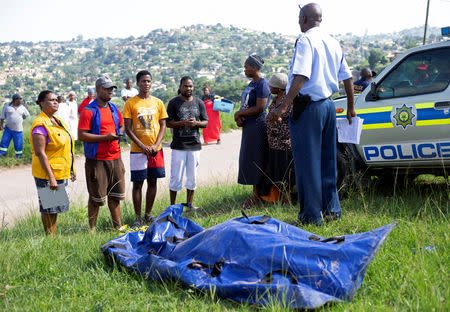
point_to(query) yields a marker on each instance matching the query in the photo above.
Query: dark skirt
(42, 183)
(253, 153)
(281, 168)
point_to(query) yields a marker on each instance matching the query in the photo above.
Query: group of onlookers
(101, 126)
(299, 132)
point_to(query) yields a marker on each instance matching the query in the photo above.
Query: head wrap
(255, 61)
(91, 91)
(279, 81)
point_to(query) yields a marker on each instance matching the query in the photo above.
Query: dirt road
(18, 195)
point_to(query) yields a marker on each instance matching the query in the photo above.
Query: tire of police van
(351, 171)
(393, 178)
(343, 163)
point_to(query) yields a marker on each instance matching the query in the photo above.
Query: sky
(55, 20)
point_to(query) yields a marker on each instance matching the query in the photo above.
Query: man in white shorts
(186, 115)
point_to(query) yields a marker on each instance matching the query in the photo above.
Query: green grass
(39, 273)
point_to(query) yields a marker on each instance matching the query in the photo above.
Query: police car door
(408, 119)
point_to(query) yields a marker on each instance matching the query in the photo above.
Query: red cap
(422, 66)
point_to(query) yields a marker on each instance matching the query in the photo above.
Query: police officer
(364, 82)
(316, 68)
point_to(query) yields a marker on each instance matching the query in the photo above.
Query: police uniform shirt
(360, 85)
(320, 59)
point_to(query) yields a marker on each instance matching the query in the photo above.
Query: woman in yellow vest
(52, 160)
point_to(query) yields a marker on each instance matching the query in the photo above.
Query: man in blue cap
(14, 113)
(316, 68)
(100, 128)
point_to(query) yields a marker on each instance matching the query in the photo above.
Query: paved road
(18, 195)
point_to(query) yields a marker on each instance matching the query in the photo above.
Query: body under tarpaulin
(257, 260)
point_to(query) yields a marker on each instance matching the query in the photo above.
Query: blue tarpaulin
(258, 260)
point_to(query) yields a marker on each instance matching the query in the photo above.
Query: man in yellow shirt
(145, 124)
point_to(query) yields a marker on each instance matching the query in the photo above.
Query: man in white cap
(100, 128)
(14, 113)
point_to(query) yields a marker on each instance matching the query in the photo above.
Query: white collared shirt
(319, 58)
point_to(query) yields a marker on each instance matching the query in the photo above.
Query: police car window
(420, 73)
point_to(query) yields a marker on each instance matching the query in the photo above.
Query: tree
(99, 51)
(268, 51)
(199, 63)
(374, 57)
(130, 53)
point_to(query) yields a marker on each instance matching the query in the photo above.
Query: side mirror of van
(372, 95)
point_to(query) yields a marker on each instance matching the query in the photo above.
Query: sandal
(136, 224)
(189, 207)
(148, 219)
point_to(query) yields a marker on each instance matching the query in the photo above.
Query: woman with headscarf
(280, 167)
(252, 118)
(52, 160)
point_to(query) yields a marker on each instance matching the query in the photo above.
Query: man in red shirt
(87, 100)
(100, 128)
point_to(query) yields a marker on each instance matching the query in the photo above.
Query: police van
(406, 112)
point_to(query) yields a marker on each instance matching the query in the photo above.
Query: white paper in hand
(349, 133)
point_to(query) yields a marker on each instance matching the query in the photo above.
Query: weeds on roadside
(70, 273)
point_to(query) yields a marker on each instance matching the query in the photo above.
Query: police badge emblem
(404, 116)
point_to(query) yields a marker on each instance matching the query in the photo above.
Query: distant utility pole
(426, 23)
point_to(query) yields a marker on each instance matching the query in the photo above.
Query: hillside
(209, 54)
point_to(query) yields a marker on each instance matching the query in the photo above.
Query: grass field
(39, 273)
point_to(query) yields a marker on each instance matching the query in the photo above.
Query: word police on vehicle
(406, 112)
